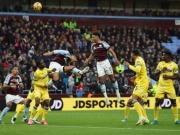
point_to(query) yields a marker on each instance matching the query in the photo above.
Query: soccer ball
(37, 6)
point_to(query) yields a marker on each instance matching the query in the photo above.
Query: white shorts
(57, 66)
(14, 98)
(104, 68)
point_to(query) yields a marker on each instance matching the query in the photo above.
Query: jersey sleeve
(7, 79)
(20, 79)
(62, 52)
(106, 45)
(92, 51)
(137, 67)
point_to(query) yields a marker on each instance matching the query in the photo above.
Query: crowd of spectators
(22, 42)
(17, 7)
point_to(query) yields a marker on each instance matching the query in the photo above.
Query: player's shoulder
(139, 59)
(173, 63)
(161, 62)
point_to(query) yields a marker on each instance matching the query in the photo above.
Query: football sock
(75, 70)
(26, 110)
(175, 112)
(103, 90)
(126, 111)
(138, 108)
(45, 112)
(33, 111)
(5, 110)
(40, 111)
(156, 112)
(115, 85)
(21, 108)
(144, 111)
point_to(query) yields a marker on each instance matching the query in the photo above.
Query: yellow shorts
(30, 95)
(141, 91)
(42, 94)
(169, 91)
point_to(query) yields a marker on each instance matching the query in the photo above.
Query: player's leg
(156, 110)
(39, 112)
(7, 108)
(26, 110)
(54, 75)
(101, 75)
(18, 100)
(103, 89)
(172, 96)
(37, 95)
(115, 85)
(75, 70)
(158, 98)
(136, 96)
(127, 109)
(144, 98)
(45, 112)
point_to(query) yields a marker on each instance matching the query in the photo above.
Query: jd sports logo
(56, 104)
(166, 103)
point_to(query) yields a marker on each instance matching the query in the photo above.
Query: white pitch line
(114, 128)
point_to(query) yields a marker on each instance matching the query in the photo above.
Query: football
(37, 6)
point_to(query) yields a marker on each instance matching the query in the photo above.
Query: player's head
(95, 37)
(40, 64)
(167, 55)
(14, 70)
(135, 53)
(74, 58)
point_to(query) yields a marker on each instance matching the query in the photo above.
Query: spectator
(80, 90)
(31, 52)
(71, 84)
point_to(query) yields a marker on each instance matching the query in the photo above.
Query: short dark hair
(97, 34)
(136, 52)
(14, 66)
(38, 62)
(168, 53)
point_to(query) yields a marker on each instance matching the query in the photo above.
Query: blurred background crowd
(22, 42)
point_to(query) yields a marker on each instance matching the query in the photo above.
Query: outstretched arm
(62, 52)
(114, 56)
(90, 58)
(136, 68)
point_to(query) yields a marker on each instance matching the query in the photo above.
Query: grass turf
(92, 123)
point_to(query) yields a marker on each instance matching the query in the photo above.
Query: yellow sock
(20, 109)
(138, 108)
(156, 112)
(33, 112)
(175, 112)
(45, 112)
(126, 112)
(39, 113)
(144, 112)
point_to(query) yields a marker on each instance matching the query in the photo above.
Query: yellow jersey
(141, 72)
(172, 68)
(41, 78)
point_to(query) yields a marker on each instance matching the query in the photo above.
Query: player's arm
(174, 76)
(20, 84)
(91, 57)
(136, 68)
(114, 56)
(50, 70)
(37, 83)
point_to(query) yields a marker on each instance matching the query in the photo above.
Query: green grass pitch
(92, 123)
